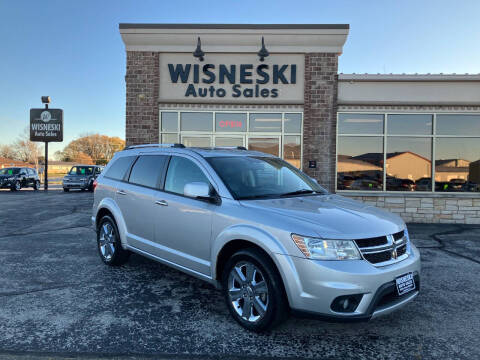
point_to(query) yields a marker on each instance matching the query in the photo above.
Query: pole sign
(46, 125)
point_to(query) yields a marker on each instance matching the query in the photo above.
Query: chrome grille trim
(389, 250)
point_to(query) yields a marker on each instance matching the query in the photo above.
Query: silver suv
(259, 229)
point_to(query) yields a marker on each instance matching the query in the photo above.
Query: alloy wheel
(248, 291)
(107, 241)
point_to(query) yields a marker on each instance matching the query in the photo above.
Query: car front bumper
(313, 285)
(75, 185)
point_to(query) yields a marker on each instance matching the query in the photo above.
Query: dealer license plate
(405, 284)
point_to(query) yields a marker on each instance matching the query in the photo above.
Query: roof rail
(154, 145)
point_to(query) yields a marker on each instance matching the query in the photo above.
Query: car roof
(86, 165)
(202, 151)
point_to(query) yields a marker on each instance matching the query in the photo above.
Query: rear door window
(147, 170)
(182, 171)
(120, 167)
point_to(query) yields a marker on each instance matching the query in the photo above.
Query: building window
(394, 152)
(275, 133)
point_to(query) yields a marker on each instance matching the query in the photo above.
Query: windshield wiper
(299, 192)
(252, 197)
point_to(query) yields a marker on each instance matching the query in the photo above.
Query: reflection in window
(228, 141)
(457, 164)
(292, 123)
(169, 121)
(196, 121)
(196, 141)
(264, 122)
(410, 124)
(360, 163)
(292, 150)
(458, 124)
(409, 164)
(360, 123)
(266, 145)
(169, 138)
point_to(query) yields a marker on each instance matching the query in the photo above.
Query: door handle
(161, 202)
(121, 192)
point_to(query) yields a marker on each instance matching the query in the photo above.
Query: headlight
(407, 239)
(322, 249)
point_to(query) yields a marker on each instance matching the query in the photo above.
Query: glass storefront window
(228, 141)
(410, 124)
(196, 121)
(292, 123)
(196, 141)
(409, 164)
(169, 121)
(230, 122)
(457, 164)
(360, 163)
(360, 123)
(292, 150)
(266, 145)
(169, 138)
(265, 122)
(458, 124)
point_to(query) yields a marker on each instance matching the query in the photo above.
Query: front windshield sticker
(10, 172)
(82, 170)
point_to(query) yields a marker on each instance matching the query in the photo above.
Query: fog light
(346, 303)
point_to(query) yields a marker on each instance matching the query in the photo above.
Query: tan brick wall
(142, 85)
(320, 116)
(421, 209)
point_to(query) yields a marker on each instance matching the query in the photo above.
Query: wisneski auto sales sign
(46, 125)
(232, 78)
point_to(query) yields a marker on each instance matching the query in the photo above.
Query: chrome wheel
(106, 241)
(248, 291)
(18, 186)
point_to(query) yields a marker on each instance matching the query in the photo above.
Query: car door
(136, 198)
(183, 225)
(24, 179)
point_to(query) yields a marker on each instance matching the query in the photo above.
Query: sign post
(46, 125)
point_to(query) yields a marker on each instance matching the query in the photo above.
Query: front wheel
(253, 290)
(66, 190)
(109, 244)
(17, 186)
(36, 185)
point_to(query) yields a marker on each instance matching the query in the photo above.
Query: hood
(332, 216)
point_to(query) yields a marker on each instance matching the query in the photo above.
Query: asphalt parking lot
(58, 300)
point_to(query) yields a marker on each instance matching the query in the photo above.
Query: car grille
(384, 250)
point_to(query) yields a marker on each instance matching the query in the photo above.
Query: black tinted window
(147, 170)
(119, 168)
(182, 171)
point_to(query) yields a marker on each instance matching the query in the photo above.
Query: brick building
(409, 143)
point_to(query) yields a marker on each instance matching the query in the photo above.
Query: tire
(66, 190)
(273, 304)
(17, 186)
(110, 250)
(36, 185)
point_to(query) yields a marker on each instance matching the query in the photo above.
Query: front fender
(255, 235)
(110, 205)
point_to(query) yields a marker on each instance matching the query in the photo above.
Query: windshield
(9, 171)
(81, 170)
(249, 177)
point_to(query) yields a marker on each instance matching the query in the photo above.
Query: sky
(73, 52)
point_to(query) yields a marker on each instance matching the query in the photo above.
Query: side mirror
(197, 190)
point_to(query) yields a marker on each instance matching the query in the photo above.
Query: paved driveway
(58, 299)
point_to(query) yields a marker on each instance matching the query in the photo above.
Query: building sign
(46, 125)
(232, 78)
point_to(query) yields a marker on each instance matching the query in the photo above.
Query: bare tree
(7, 151)
(26, 150)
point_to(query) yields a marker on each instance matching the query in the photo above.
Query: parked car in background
(266, 234)
(424, 184)
(345, 182)
(456, 184)
(81, 177)
(471, 187)
(16, 178)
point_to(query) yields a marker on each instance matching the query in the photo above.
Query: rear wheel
(36, 185)
(66, 190)
(109, 244)
(254, 291)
